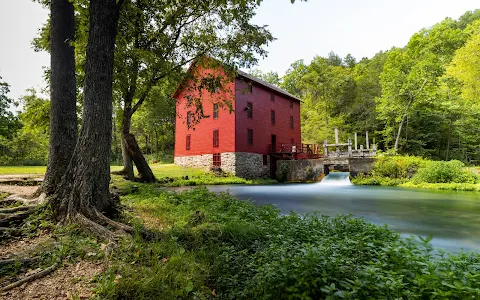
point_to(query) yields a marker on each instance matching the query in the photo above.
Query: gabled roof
(267, 85)
(248, 77)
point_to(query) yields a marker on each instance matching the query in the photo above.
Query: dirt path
(6, 185)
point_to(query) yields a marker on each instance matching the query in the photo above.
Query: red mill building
(264, 119)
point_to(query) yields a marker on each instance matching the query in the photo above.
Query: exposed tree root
(17, 209)
(24, 182)
(4, 262)
(26, 200)
(7, 219)
(30, 278)
(116, 225)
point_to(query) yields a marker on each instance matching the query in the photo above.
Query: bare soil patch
(24, 245)
(71, 281)
(20, 184)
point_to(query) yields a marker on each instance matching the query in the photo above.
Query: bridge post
(356, 142)
(325, 149)
(337, 148)
(361, 150)
(349, 147)
(368, 144)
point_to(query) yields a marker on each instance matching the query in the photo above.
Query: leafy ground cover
(416, 172)
(209, 245)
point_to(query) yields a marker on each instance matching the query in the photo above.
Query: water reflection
(452, 218)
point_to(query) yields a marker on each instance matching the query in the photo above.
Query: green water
(451, 218)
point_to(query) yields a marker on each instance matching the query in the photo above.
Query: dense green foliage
(412, 171)
(156, 42)
(445, 172)
(429, 88)
(24, 140)
(214, 245)
(422, 99)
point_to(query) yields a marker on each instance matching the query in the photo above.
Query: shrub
(445, 172)
(397, 166)
(282, 173)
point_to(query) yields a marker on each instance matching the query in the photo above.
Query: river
(451, 218)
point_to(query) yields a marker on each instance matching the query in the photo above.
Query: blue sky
(360, 27)
(303, 30)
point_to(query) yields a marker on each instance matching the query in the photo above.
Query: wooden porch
(294, 151)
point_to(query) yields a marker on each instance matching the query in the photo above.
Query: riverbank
(386, 181)
(416, 172)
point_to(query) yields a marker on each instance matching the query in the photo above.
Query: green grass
(18, 170)
(171, 170)
(452, 186)
(161, 172)
(201, 245)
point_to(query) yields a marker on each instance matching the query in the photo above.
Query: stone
(241, 164)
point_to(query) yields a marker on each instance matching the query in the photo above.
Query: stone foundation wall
(228, 162)
(304, 169)
(313, 169)
(361, 165)
(204, 161)
(250, 165)
(241, 164)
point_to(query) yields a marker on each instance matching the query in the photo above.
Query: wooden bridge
(296, 151)
(351, 152)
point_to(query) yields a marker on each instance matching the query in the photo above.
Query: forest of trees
(422, 99)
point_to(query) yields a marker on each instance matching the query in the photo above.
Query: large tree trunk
(63, 123)
(83, 194)
(145, 174)
(127, 170)
(130, 150)
(131, 153)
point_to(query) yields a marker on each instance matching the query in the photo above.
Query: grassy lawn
(175, 173)
(171, 170)
(15, 170)
(167, 170)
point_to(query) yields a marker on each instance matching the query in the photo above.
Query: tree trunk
(63, 120)
(131, 153)
(449, 139)
(83, 194)
(127, 170)
(400, 126)
(412, 98)
(156, 145)
(145, 174)
(130, 150)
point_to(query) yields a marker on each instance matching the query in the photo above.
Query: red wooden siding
(260, 123)
(201, 135)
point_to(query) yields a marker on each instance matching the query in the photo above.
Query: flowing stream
(451, 218)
